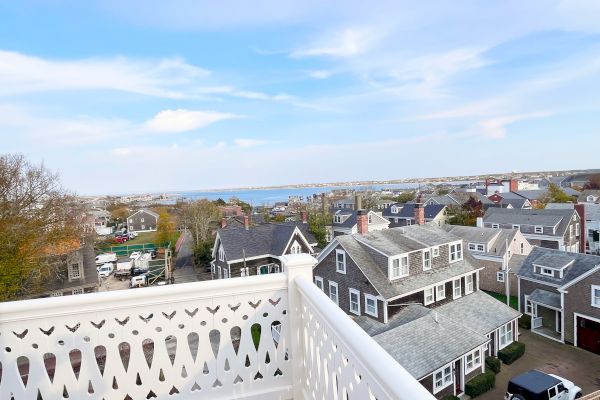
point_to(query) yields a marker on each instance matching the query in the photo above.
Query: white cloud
(320, 74)
(495, 128)
(174, 121)
(346, 43)
(121, 151)
(169, 78)
(245, 143)
(246, 94)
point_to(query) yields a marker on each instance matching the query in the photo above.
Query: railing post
(294, 266)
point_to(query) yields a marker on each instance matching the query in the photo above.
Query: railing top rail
(385, 372)
(119, 299)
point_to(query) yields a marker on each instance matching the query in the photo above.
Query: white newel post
(294, 266)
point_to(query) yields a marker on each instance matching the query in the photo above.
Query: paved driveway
(572, 363)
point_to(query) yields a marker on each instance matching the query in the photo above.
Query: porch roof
(545, 298)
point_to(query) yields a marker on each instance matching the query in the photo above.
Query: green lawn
(502, 298)
(141, 238)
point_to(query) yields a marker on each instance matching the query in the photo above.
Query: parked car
(152, 253)
(135, 255)
(138, 281)
(105, 258)
(537, 385)
(132, 235)
(121, 239)
(106, 270)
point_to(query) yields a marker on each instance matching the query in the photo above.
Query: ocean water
(258, 197)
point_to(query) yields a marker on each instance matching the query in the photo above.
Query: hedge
(480, 384)
(512, 352)
(450, 397)
(525, 322)
(493, 364)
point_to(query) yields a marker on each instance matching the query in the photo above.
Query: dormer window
(394, 210)
(495, 226)
(456, 252)
(221, 253)
(340, 261)
(337, 219)
(517, 227)
(400, 267)
(370, 218)
(296, 248)
(547, 272)
(539, 229)
(477, 247)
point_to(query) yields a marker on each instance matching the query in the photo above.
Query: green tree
(40, 222)
(317, 225)
(405, 197)
(554, 194)
(220, 202)
(246, 207)
(279, 218)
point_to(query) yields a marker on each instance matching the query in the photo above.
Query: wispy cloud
(345, 43)
(246, 143)
(175, 121)
(495, 128)
(321, 74)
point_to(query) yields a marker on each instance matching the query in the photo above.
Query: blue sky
(150, 96)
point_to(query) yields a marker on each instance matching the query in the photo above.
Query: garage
(587, 333)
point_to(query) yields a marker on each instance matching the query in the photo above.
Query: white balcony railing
(260, 337)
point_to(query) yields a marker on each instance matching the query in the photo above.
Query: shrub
(450, 397)
(480, 384)
(525, 322)
(493, 364)
(512, 352)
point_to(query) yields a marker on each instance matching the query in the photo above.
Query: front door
(458, 377)
(588, 334)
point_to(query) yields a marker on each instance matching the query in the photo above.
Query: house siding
(135, 224)
(488, 277)
(579, 300)
(352, 279)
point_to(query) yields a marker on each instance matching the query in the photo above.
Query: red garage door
(588, 334)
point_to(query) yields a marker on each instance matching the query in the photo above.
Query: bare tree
(201, 217)
(39, 223)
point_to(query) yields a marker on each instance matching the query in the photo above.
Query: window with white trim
(577, 229)
(400, 267)
(340, 261)
(245, 271)
(296, 248)
(141, 219)
(442, 378)
(371, 305)
(506, 335)
(468, 284)
(74, 271)
(337, 219)
(456, 288)
(436, 251)
(354, 301)
(319, 282)
(143, 227)
(500, 276)
(333, 292)
(455, 252)
(225, 273)
(131, 220)
(426, 260)
(77, 291)
(429, 296)
(440, 292)
(517, 227)
(472, 361)
(596, 295)
(56, 293)
(495, 226)
(476, 247)
(528, 305)
(221, 253)
(538, 229)
(547, 271)
(394, 210)
(522, 248)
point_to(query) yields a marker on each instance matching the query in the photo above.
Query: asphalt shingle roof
(545, 297)
(408, 211)
(544, 217)
(496, 239)
(582, 264)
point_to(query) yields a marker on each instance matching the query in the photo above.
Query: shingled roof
(408, 210)
(545, 217)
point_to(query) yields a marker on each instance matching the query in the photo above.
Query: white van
(105, 270)
(138, 281)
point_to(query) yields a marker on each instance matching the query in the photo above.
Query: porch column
(295, 265)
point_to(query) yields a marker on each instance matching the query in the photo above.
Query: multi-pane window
(495, 226)
(429, 296)
(596, 296)
(528, 306)
(539, 229)
(77, 291)
(245, 271)
(340, 261)
(455, 252)
(57, 293)
(354, 301)
(472, 360)
(522, 248)
(426, 260)
(74, 271)
(436, 251)
(476, 247)
(400, 267)
(456, 287)
(296, 249)
(500, 276)
(319, 282)
(506, 335)
(221, 253)
(440, 292)
(442, 378)
(371, 305)
(468, 283)
(333, 292)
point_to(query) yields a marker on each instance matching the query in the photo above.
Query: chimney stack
(304, 216)
(580, 209)
(223, 222)
(246, 222)
(362, 221)
(419, 211)
(357, 202)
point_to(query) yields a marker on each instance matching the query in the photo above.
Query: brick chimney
(246, 222)
(362, 221)
(304, 216)
(580, 209)
(223, 222)
(419, 211)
